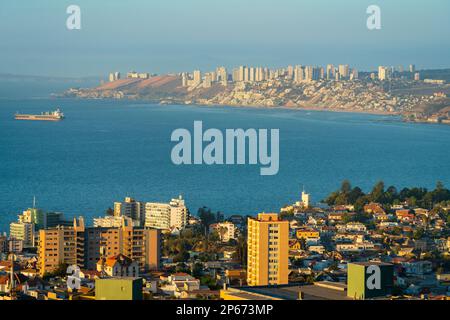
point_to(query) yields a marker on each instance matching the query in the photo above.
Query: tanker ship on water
(44, 116)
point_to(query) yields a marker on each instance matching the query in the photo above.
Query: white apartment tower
(166, 216)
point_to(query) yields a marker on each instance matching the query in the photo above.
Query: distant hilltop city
(418, 95)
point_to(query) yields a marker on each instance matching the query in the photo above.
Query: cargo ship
(44, 116)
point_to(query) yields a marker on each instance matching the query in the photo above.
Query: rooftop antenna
(34, 202)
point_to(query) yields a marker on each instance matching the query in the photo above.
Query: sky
(163, 36)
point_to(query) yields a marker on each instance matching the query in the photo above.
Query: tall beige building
(139, 244)
(61, 245)
(268, 248)
(84, 247)
(130, 208)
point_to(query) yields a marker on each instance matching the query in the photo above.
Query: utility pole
(12, 257)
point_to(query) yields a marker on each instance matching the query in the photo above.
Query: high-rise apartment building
(22, 231)
(197, 77)
(268, 248)
(384, 73)
(344, 71)
(84, 247)
(166, 216)
(130, 208)
(222, 76)
(241, 76)
(207, 83)
(61, 245)
(330, 72)
(299, 74)
(41, 219)
(142, 245)
(312, 73)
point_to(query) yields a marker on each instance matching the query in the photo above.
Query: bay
(106, 150)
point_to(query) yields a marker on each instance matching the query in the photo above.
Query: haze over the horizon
(163, 36)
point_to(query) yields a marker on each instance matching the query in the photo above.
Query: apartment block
(166, 216)
(130, 208)
(61, 245)
(22, 231)
(86, 246)
(268, 247)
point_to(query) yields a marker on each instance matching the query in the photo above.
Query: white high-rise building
(384, 73)
(178, 213)
(166, 216)
(23, 231)
(305, 199)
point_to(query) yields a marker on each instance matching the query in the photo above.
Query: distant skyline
(163, 36)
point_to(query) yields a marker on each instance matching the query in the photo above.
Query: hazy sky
(179, 35)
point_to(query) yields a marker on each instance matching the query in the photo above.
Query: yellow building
(61, 245)
(307, 234)
(82, 246)
(268, 249)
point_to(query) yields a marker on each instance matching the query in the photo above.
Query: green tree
(377, 194)
(206, 217)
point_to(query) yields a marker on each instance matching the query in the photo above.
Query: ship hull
(37, 118)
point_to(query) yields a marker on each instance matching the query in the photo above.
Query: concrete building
(22, 231)
(118, 266)
(43, 220)
(114, 76)
(312, 73)
(344, 71)
(139, 244)
(166, 216)
(197, 78)
(384, 73)
(306, 197)
(130, 208)
(330, 72)
(226, 230)
(268, 248)
(299, 74)
(86, 246)
(179, 283)
(112, 222)
(222, 76)
(61, 245)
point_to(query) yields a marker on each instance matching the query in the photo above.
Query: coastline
(283, 107)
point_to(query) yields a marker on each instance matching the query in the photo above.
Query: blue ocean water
(106, 150)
